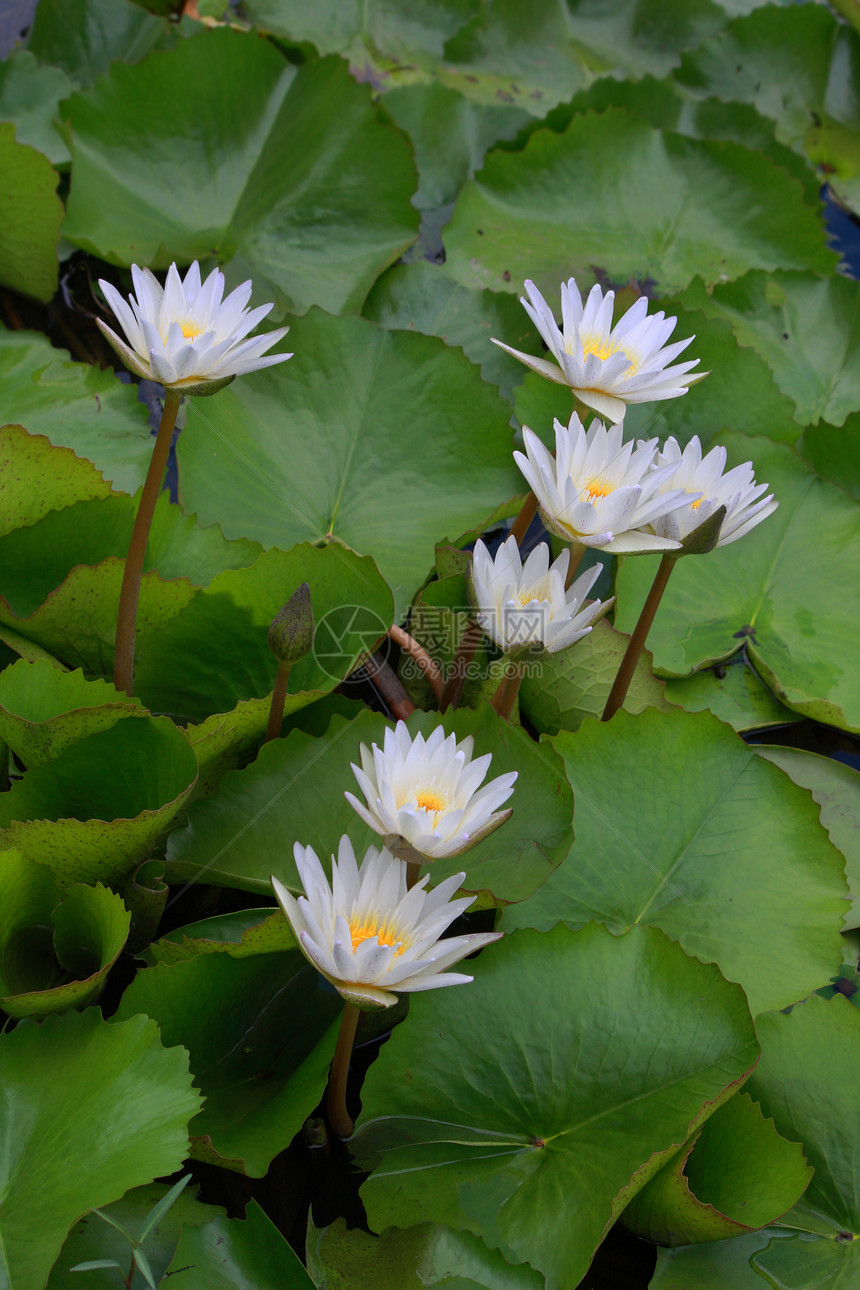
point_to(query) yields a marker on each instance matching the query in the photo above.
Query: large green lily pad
(117, 1118)
(236, 1251)
(500, 1097)
(767, 593)
(707, 842)
(382, 440)
(181, 157)
(734, 692)
(29, 96)
(32, 214)
(83, 37)
(38, 477)
(43, 709)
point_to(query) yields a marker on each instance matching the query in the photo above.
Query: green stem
(621, 685)
(338, 1116)
(577, 551)
(126, 621)
(506, 695)
(276, 708)
(453, 688)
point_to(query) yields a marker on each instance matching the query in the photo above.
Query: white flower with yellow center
(368, 935)
(607, 367)
(597, 490)
(523, 607)
(706, 488)
(425, 796)
(184, 335)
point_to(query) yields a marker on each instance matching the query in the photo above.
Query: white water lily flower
(524, 606)
(607, 367)
(707, 488)
(367, 934)
(425, 796)
(597, 490)
(184, 335)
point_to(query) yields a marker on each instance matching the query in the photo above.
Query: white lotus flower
(367, 934)
(597, 490)
(607, 367)
(184, 335)
(523, 606)
(425, 796)
(707, 488)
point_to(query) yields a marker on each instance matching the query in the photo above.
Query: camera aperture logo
(345, 637)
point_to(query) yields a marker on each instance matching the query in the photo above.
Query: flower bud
(291, 634)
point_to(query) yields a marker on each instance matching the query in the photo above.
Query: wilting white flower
(597, 490)
(707, 488)
(425, 796)
(607, 367)
(523, 606)
(367, 934)
(184, 335)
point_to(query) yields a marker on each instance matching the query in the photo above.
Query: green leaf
(381, 439)
(30, 96)
(564, 689)
(798, 623)
(32, 215)
(176, 672)
(481, 1115)
(43, 710)
(734, 692)
(707, 842)
(260, 1032)
(421, 297)
(834, 452)
(41, 478)
(666, 207)
(294, 791)
(343, 1258)
(116, 1119)
(91, 1237)
(834, 786)
(247, 932)
(83, 37)
(182, 157)
(806, 330)
(97, 809)
(737, 1175)
(799, 66)
(75, 406)
(715, 1265)
(230, 1252)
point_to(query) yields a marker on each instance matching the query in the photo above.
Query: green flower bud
(704, 538)
(291, 634)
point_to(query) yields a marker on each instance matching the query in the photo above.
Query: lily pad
(768, 594)
(83, 37)
(38, 478)
(96, 810)
(117, 1119)
(834, 452)
(234, 1251)
(247, 932)
(55, 953)
(294, 791)
(734, 692)
(481, 1115)
(260, 1032)
(30, 96)
(658, 206)
(181, 157)
(32, 214)
(362, 424)
(707, 842)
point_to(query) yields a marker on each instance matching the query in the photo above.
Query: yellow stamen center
(694, 506)
(384, 935)
(598, 488)
(190, 330)
(431, 802)
(598, 346)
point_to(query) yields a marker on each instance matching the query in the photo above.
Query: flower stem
(456, 681)
(527, 513)
(413, 869)
(389, 688)
(506, 695)
(577, 551)
(338, 1117)
(622, 681)
(126, 620)
(276, 708)
(422, 658)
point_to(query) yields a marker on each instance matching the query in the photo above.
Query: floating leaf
(182, 157)
(29, 96)
(798, 625)
(260, 1032)
(83, 37)
(116, 1119)
(293, 792)
(39, 478)
(234, 1251)
(247, 932)
(707, 842)
(734, 692)
(481, 1115)
(834, 452)
(657, 206)
(32, 215)
(381, 439)
(97, 809)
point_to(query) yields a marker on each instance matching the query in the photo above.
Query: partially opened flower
(184, 335)
(607, 367)
(424, 796)
(523, 607)
(597, 490)
(707, 488)
(368, 935)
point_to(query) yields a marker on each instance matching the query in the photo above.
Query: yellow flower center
(190, 330)
(694, 506)
(599, 346)
(598, 488)
(364, 931)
